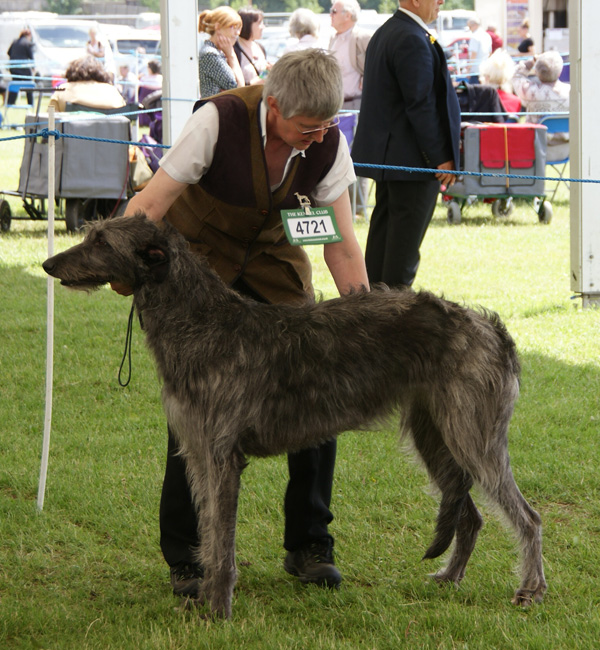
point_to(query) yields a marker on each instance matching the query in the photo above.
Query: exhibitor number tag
(310, 226)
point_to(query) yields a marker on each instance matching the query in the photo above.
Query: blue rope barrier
(427, 170)
(46, 133)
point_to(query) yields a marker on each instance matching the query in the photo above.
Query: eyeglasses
(334, 122)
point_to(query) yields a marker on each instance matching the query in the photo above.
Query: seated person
(126, 83)
(152, 79)
(497, 71)
(87, 84)
(536, 83)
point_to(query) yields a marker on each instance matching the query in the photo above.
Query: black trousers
(21, 74)
(306, 504)
(403, 210)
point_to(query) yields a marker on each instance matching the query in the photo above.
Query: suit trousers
(306, 504)
(403, 210)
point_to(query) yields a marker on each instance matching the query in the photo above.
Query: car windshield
(458, 23)
(62, 35)
(131, 45)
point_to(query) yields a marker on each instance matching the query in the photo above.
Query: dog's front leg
(218, 522)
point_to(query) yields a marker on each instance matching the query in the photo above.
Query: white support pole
(584, 17)
(179, 47)
(49, 316)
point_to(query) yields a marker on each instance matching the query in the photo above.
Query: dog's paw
(526, 597)
(447, 577)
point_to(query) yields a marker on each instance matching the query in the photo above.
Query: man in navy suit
(409, 117)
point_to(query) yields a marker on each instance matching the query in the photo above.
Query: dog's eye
(100, 241)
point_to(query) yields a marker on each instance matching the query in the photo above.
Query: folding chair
(17, 87)
(557, 124)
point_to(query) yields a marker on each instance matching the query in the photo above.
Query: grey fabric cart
(91, 176)
(516, 149)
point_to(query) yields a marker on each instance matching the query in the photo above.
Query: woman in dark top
(21, 52)
(526, 46)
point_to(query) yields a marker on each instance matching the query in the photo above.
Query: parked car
(11, 24)
(148, 19)
(452, 24)
(134, 47)
(275, 38)
(59, 41)
(276, 35)
(457, 54)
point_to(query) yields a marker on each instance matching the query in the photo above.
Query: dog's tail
(451, 510)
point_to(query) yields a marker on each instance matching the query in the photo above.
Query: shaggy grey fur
(242, 378)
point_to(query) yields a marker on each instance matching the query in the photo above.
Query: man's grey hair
(474, 20)
(548, 66)
(351, 7)
(303, 22)
(306, 82)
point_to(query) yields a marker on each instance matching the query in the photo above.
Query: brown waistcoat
(231, 215)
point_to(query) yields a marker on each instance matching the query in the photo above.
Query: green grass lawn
(87, 571)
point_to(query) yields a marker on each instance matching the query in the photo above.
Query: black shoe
(185, 579)
(314, 564)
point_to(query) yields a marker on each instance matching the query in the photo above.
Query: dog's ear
(157, 261)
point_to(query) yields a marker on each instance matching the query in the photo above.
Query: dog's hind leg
(218, 490)
(458, 514)
(491, 469)
(467, 531)
(528, 526)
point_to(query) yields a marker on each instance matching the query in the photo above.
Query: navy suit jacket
(409, 113)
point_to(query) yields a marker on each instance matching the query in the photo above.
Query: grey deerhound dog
(242, 378)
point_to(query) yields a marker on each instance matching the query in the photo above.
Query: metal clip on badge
(304, 202)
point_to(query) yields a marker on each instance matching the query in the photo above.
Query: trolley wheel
(5, 216)
(545, 212)
(74, 214)
(503, 208)
(454, 213)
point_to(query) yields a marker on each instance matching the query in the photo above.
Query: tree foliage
(318, 6)
(71, 7)
(64, 7)
(459, 4)
(151, 5)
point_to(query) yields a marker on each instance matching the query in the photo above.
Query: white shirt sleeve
(192, 154)
(339, 177)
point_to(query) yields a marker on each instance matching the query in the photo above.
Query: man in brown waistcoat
(244, 156)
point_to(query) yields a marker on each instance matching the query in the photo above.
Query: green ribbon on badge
(310, 225)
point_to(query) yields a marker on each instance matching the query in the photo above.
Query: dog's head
(130, 251)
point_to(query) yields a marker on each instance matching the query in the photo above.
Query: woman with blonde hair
(498, 71)
(218, 66)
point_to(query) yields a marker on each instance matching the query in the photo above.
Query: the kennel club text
(310, 226)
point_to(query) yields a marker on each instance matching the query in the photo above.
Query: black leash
(127, 352)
